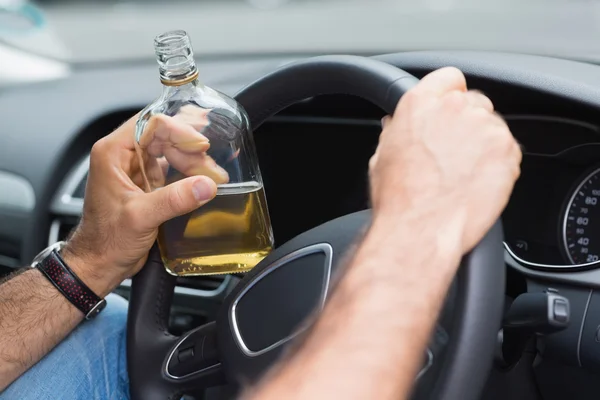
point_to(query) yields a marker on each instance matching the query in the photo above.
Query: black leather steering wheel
(268, 307)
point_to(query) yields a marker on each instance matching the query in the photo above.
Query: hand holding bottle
(120, 221)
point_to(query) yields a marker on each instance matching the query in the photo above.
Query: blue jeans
(91, 363)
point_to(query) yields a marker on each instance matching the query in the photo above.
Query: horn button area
(272, 309)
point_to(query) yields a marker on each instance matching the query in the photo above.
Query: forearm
(370, 339)
(34, 317)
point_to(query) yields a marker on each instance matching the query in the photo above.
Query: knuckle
(98, 154)
(372, 162)
(454, 73)
(518, 152)
(489, 103)
(411, 97)
(508, 144)
(175, 200)
(511, 142)
(159, 123)
(480, 115)
(503, 137)
(517, 172)
(484, 101)
(499, 120)
(163, 120)
(131, 215)
(99, 148)
(455, 100)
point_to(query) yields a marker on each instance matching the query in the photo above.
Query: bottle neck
(185, 85)
(175, 58)
(188, 78)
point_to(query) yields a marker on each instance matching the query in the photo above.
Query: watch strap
(69, 285)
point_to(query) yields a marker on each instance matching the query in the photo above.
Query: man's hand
(442, 174)
(446, 155)
(120, 220)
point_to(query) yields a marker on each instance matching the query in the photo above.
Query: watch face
(46, 252)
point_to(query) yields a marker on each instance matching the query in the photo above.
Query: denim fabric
(91, 363)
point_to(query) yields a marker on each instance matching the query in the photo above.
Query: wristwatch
(53, 267)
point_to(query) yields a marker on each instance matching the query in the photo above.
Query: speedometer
(581, 227)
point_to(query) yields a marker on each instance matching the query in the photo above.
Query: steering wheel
(270, 305)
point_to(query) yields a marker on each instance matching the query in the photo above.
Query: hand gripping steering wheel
(269, 305)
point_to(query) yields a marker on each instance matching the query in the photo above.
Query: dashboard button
(561, 310)
(521, 245)
(185, 354)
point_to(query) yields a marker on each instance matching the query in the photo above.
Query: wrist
(432, 233)
(96, 277)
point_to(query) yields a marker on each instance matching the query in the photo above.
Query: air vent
(202, 283)
(69, 197)
(7, 262)
(61, 228)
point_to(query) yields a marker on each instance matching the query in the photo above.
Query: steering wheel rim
(481, 278)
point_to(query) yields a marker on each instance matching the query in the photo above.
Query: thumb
(385, 121)
(176, 199)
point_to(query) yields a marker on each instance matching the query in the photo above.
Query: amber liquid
(232, 233)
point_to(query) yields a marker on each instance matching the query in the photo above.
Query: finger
(194, 116)
(373, 161)
(177, 139)
(174, 200)
(497, 120)
(124, 134)
(200, 165)
(153, 175)
(205, 165)
(164, 134)
(519, 148)
(442, 81)
(478, 99)
(385, 121)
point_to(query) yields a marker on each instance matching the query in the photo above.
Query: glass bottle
(189, 130)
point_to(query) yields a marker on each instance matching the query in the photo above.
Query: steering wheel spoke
(165, 364)
(193, 362)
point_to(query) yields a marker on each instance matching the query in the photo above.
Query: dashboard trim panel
(557, 267)
(17, 193)
(64, 203)
(586, 278)
(587, 306)
(182, 290)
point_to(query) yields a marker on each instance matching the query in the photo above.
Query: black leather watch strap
(64, 279)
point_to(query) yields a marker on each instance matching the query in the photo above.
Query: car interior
(534, 333)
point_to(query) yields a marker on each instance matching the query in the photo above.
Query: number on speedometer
(581, 228)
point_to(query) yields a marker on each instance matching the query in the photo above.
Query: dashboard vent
(9, 254)
(61, 228)
(202, 283)
(8, 262)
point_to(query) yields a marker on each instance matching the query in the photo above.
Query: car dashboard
(314, 157)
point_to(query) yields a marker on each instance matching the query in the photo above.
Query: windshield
(104, 30)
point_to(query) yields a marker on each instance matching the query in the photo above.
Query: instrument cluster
(553, 218)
